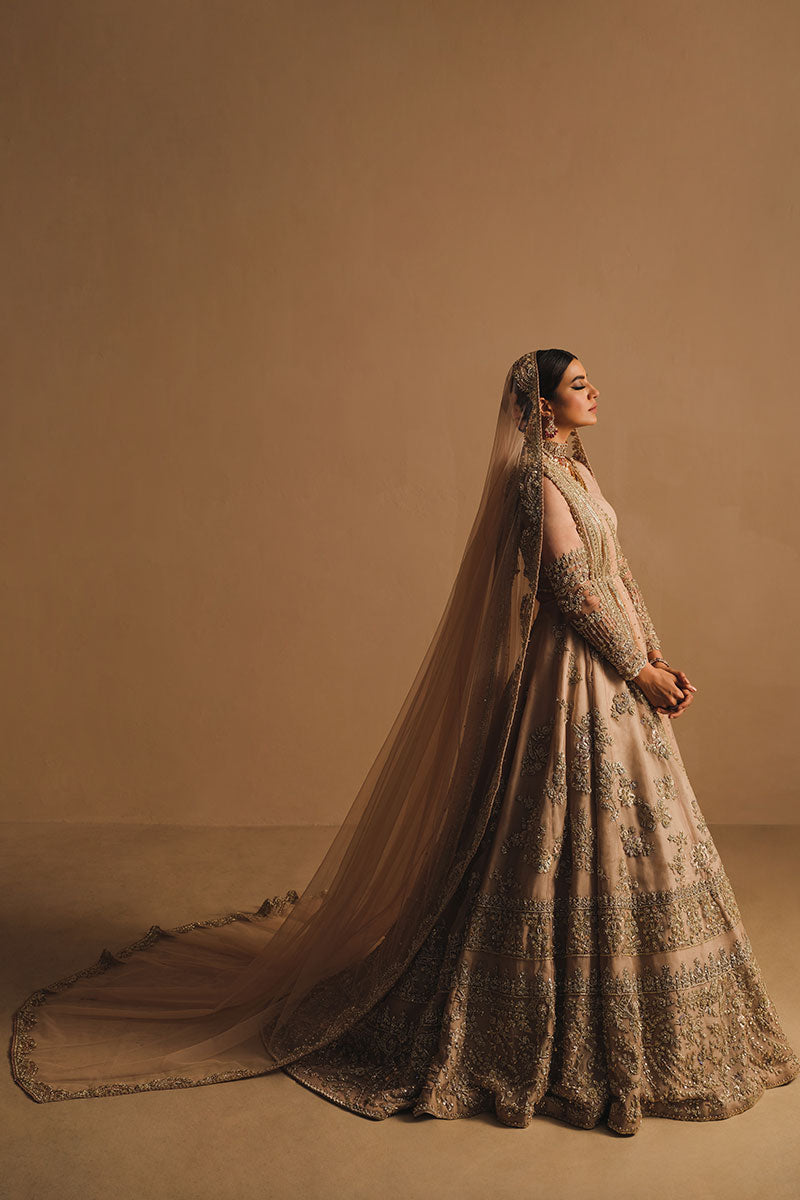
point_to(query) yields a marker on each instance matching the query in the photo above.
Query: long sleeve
(650, 635)
(588, 603)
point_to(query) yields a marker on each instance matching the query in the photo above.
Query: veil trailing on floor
(242, 994)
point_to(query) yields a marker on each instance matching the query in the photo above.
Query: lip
(593, 408)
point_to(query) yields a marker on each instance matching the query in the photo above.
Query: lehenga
(590, 963)
(593, 962)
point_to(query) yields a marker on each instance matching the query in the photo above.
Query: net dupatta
(244, 993)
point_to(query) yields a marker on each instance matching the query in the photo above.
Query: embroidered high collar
(559, 449)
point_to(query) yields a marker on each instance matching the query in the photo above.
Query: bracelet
(659, 659)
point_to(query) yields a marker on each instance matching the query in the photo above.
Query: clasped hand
(667, 689)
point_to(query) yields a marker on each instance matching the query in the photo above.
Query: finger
(684, 678)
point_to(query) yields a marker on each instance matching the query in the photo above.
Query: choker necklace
(564, 454)
(559, 449)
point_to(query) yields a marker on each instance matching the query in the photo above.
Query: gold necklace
(564, 454)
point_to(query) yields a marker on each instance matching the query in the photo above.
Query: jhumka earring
(549, 430)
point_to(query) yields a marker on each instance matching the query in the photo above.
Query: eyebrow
(574, 377)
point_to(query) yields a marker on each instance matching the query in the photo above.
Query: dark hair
(550, 366)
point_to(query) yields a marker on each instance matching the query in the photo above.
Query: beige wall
(267, 266)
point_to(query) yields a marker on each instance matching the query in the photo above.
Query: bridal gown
(592, 963)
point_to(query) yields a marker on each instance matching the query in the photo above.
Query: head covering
(243, 993)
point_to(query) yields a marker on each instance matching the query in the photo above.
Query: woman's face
(575, 401)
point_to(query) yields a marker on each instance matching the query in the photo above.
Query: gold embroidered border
(647, 922)
(23, 1044)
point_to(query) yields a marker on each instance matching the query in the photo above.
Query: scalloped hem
(22, 1045)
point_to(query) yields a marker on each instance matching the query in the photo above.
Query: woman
(523, 911)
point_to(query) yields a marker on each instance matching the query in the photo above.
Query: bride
(523, 911)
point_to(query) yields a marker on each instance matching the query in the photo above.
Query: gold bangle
(659, 659)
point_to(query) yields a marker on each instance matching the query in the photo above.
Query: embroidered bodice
(584, 571)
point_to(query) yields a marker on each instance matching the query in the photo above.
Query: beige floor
(72, 890)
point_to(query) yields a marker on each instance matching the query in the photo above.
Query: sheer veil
(244, 993)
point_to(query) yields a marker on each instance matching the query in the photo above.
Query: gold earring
(549, 430)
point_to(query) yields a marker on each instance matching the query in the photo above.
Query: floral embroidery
(580, 766)
(656, 743)
(591, 737)
(698, 816)
(537, 750)
(622, 703)
(574, 675)
(532, 846)
(677, 863)
(651, 815)
(627, 793)
(582, 840)
(590, 605)
(665, 787)
(560, 636)
(555, 789)
(633, 842)
(702, 854)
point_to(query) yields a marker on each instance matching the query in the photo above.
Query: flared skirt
(592, 964)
